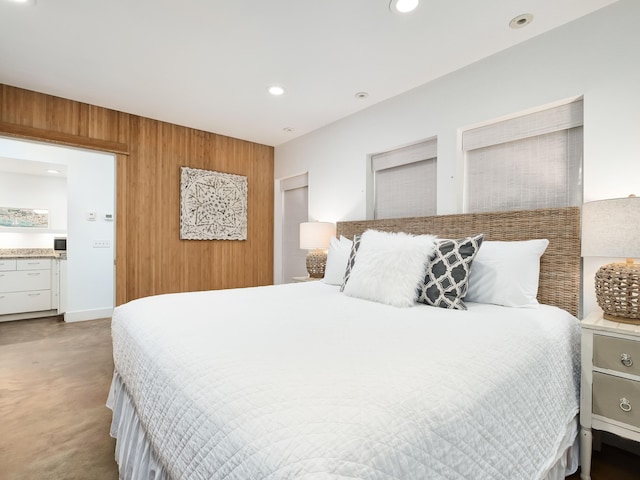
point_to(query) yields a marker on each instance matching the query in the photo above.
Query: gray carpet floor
(54, 382)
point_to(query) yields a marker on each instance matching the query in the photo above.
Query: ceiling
(30, 167)
(207, 64)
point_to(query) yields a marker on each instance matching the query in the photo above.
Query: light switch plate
(101, 243)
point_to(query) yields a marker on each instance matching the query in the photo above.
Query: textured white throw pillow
(337, 259)
(389, 267)
(506, 273)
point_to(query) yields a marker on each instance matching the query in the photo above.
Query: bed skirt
(134, 455)
(136, 459)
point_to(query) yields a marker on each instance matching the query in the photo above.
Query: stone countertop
(31, 253)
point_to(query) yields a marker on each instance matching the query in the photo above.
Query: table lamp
(611, 228)
(315, 237)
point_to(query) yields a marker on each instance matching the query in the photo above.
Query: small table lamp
(315, 237)
(611, 228)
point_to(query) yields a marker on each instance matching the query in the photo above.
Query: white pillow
(506, 273)
(389, 267)
(337, 259)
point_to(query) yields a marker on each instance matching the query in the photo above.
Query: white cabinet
(19, 302)
(26, 285)
(22, 281)
(7, 264)
(33, 264)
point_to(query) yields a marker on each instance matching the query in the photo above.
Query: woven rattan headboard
(559, 266)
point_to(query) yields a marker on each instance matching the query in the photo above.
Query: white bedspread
(300, 381)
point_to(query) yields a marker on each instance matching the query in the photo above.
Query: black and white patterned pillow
(352, 260)
(447, 275)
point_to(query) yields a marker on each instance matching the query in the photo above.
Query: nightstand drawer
(617, 354)
(616, 398)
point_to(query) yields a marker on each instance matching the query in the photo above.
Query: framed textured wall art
(213, 205)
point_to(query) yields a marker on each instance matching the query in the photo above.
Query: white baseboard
(28, 315)
(83, 315)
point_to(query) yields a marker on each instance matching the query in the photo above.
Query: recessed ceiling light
(521, 20)
(403, 6)
(361, 95)
(31, 2)
(53, 171)
(276, 90)
(287, 129)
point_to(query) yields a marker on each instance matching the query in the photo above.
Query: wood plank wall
(150, 257)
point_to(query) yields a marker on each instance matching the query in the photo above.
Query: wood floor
(54, 381)
(611, 463)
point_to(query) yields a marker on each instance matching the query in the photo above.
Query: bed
(305, 381)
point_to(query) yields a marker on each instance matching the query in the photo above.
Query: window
(532, 161)
(404, 181)
(294, 191)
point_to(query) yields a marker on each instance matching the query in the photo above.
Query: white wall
(595, 56)
(34, 191)
(90, 187)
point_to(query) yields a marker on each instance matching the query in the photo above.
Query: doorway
(90, 225)
(294, 209)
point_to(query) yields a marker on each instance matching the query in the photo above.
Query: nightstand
(305, 279)
(610, 386)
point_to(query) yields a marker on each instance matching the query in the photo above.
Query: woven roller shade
(550, 120)
(405, 181)
(405, 155)
(529, 162)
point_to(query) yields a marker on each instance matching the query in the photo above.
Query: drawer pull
(33, 274)
(625, 405)
(37, 295)
(626, 360)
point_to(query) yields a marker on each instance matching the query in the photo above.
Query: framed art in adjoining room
(24, 217)
(213, 205)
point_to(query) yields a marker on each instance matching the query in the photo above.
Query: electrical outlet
(101, 244)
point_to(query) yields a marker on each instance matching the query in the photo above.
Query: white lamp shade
(611, 228)
(315, 235)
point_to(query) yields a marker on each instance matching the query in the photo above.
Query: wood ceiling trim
(61, 138)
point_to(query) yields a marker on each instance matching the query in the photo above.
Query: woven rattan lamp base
(316, 263)
(618, 292)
